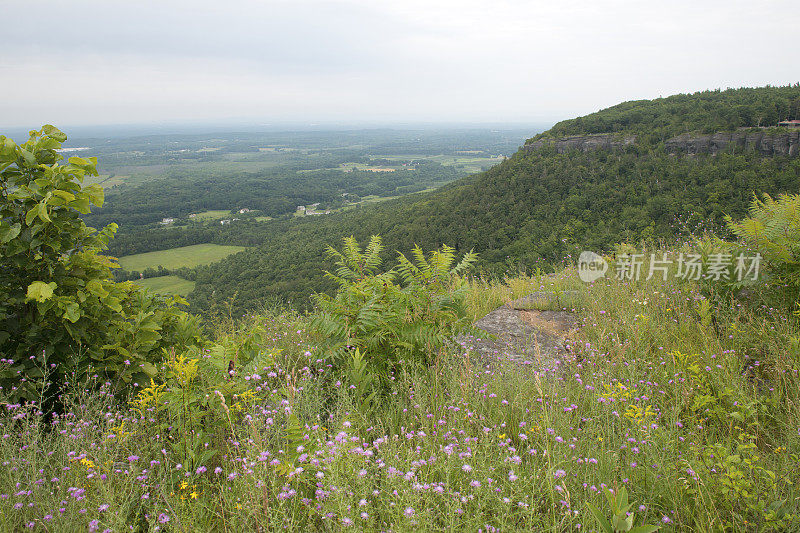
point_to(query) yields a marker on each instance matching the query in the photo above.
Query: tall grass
(691, 404)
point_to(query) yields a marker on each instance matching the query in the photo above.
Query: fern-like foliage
(436, 269)
(391, 323)
(354, 263)
(773, 230)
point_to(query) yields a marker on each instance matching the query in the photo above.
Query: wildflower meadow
(689, 410)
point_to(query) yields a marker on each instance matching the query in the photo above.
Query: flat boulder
(520, 333)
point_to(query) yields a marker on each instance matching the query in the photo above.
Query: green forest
(655, 121)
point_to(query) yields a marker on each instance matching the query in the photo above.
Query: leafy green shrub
(59, 308)
(391, 323)
(773, 230)
(742, 489)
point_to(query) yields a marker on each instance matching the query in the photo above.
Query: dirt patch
(554, 323)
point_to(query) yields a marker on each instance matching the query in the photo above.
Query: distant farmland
(167, 285)
(212, 215)
(185, 256)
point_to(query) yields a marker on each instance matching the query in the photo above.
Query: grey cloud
(295, 35)
(103, 61)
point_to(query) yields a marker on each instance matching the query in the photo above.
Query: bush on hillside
(391, 323)
(773, 231)
(60, 311)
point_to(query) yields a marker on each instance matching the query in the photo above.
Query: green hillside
(539, 206)
(704, 112)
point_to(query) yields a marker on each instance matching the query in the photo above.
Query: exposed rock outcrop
(767, 143)
(518, 333)
(585, 143)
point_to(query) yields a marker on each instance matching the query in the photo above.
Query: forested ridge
(702, 112)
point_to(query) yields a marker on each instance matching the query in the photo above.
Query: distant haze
(89, 62)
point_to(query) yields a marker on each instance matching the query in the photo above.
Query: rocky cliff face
(767, 143)
(772, 143)
(584, 143)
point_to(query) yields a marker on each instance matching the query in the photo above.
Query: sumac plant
(60, 312)
(397, 317)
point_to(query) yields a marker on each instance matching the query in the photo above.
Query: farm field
(347, 167)
(159, 170)
(214, 214)
(247, 163)
(372, 199)
(185, 256)
(167, 285)
(470, 163)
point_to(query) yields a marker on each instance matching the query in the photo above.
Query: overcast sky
(83, 62)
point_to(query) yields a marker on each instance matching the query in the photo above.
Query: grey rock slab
(524, 336)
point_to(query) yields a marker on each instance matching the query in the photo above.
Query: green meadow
(167, 285)
(185, 256)
(214, 214)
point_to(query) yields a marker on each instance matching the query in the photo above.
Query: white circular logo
(591, 266)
